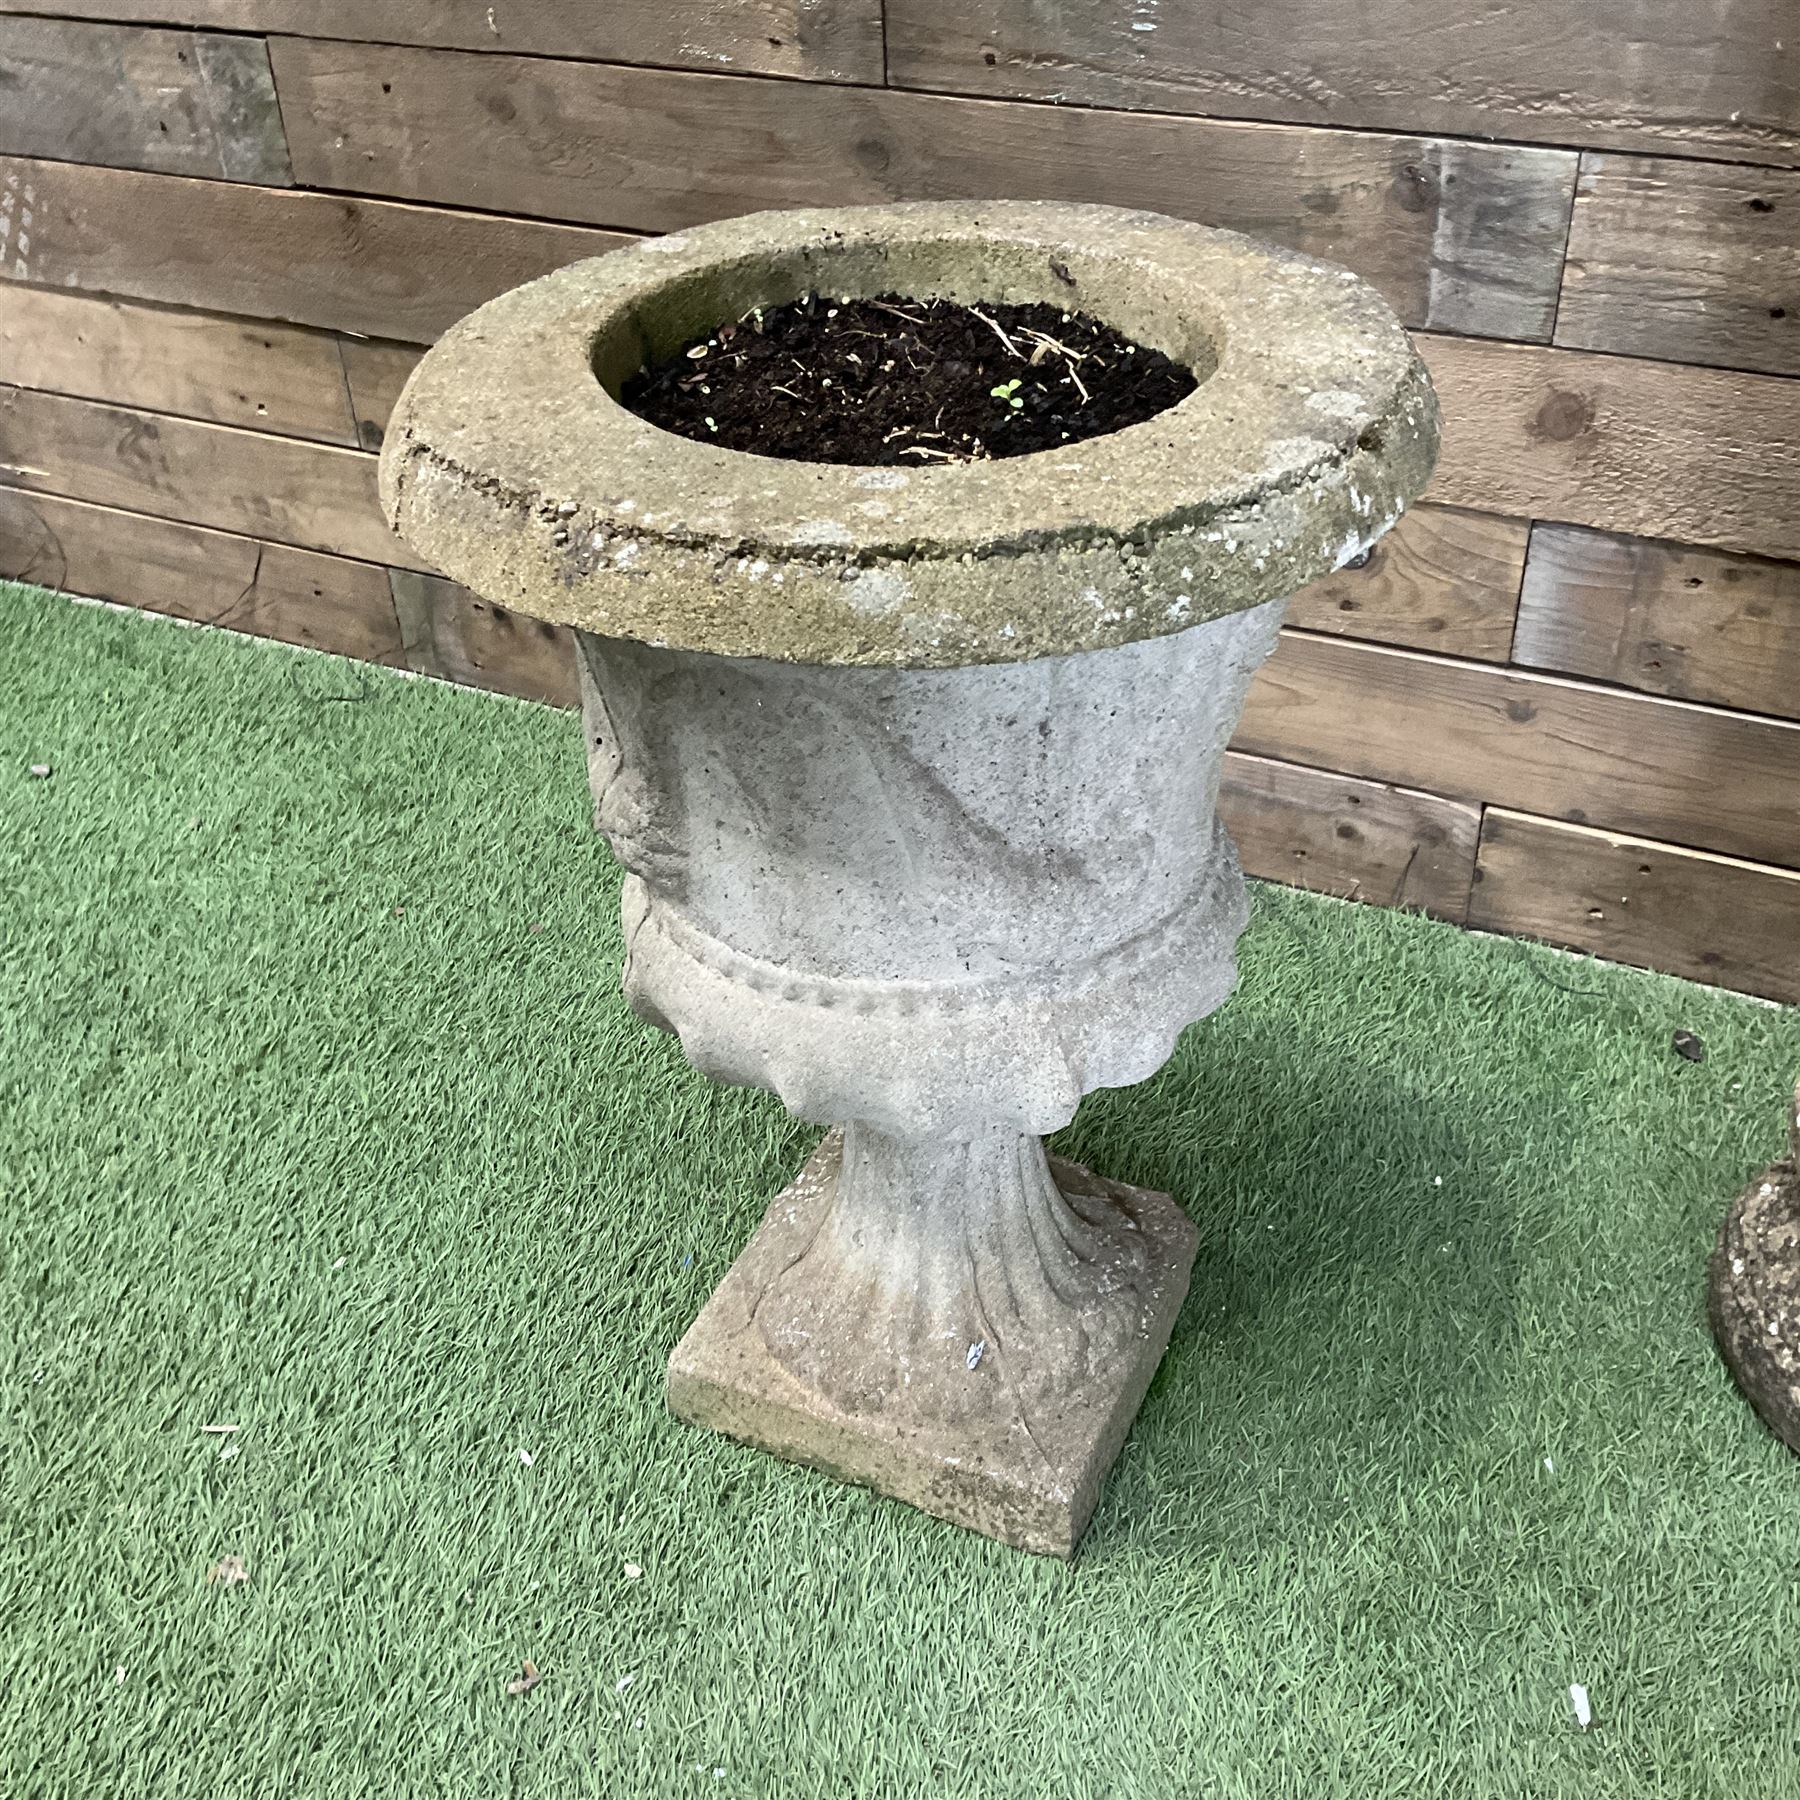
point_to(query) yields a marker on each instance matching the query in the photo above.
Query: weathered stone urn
(1753, 1290)
(914, 772)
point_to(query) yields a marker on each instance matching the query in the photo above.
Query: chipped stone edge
(877, 596)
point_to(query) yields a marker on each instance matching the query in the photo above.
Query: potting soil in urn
(906, 693)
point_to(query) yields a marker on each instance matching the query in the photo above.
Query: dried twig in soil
(999, 331)
(1046, 343)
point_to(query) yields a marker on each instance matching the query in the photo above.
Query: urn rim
(511, 464)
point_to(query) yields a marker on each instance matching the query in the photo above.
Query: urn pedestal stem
(967, 1324)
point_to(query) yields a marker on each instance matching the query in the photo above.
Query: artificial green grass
(323, 1117)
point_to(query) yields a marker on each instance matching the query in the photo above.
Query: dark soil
(907, 382)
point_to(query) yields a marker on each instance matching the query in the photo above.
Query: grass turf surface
(323, 1117)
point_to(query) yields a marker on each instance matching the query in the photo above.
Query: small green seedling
(1009, 392)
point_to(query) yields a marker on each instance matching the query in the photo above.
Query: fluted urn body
(913, 774)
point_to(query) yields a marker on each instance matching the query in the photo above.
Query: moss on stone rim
(511, 466)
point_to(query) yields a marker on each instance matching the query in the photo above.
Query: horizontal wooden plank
(376, 373)
(455, 636)
(1663, 769)
(1696, 262)
(1711, 918)
(1696, 624)
(1619, 443)
(1717, 77)
(213, 577)
(369, 266)
(264, 376)
(183, 102)
(1358, 839)
(831, 40)
(1442, 580)
(313, 496)
(1464, 237)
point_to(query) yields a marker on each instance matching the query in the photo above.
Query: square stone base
(1033, 1484)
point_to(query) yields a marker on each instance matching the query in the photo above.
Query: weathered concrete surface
(942, 905)
(1753, 1291)
(964, 1324)
(511, 466)
(915, 773)
(930, 900)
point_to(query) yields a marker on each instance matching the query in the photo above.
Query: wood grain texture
(376, 373)
(1464, 237)
(453, 635)
(1663, 769)
(1695, 262)
(263, 376)
(313, 496)
(827, 40)
(1359, 840)
(1707, 77)
(367, 266)
(1441, 580)
(1695, 624)
(211, 577)
(185, 103)
(1619, 443)
(1712, 918)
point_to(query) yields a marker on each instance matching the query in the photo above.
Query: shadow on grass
(1352, 1305)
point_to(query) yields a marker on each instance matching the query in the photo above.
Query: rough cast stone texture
(943, 904)
(509, 463)
(1753, 1291)
(913, 774)
(928, 900)
(963, 1323)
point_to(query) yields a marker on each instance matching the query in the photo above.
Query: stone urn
(913, 774)
(1753, 1290)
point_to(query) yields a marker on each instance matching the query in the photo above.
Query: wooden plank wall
(1562, 700)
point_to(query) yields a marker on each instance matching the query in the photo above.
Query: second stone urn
(1753, 1290)
(914, 772)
